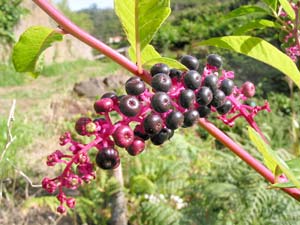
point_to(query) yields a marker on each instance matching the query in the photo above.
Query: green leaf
(172, 63)
(142, 22)
(245, 10)
(147, 54)
(272, 4)
(256, 24)
(31, 45)
(283, 185)
(288, 8)
(142, 184)
(258, 49)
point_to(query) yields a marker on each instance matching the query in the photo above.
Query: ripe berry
(135, 86)
(225, 108)
(192, 79)
(153, 124)
(161, 102)
(111, 95)
(139, 132)
(159, 68)
(81, 125)
(227, 86)
(190, 62)
(108, 158)
(161, 82)
(104, 105)
(174, 120)
(129, 105)
(204, 96)
(186, 98)
(214, 60)
(123, 136)
(190, 117)
(175, 73)
(211, 81)
(248, 89)
(137, 146)
(219, 98)
(164, 135)
(203, 111)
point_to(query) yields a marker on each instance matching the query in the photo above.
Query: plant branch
(214, 131)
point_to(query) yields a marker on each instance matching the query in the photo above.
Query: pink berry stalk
(72, 29)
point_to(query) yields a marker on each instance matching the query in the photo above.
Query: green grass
(9, 77)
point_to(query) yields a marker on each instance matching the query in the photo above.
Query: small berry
(139, 132)
(186, 98)
(219, 98)
(227, 86)
(174, 120)
(136, 147)
(123, 136)
(108, 158)
(61, 209)
(203, 111)
(159, 68)
(192, 79)
(225, 108)
(104, 105)
(161, 82)
(190, 118)
(248, 89)
(204, 96)
(109, 95)
(129, 105)
(161, 102)
(175, 73)
(190, 62)
(164, 135)
(153, 124)
(81, 124)
(211, 81)
(135, 86)
(214, 60)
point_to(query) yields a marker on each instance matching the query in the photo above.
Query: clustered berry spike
(179, 99)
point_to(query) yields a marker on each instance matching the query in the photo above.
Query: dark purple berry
(81, 125)
(111, 95)
(159, 68)
(227, 86)
(175, 73)
(204, 96)
(164, 135)
(123, 136)
(108, 158)
(203, 111)
(136, 147)
(214, 60)
(192, 79)
(104, 105)
(248, 89)
(186, 98)
(153, 124)
(161, 102)
(135, 86)
(190, 118)
(211, 81)
(161, 82)
(219, 98)
(174, 120)
(139, 132)
(129, 105)
(225, 108)
(190, 62)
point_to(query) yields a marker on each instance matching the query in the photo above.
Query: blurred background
(208, 185)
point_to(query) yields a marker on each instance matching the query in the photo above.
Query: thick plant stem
(123, 61)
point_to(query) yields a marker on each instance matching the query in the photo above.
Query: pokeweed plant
(179, 96)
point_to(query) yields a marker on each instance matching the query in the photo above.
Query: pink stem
(123, 61)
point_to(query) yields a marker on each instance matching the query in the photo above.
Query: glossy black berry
(175, 73)
(153, 124)
(190, 118)
(108, 158)
(161, 82)
(192, 79)
(123, 136)
(225, 108)
(190, 62)
(203, 111)
(139, 132)
(161, 102)
(129, 105)
(135, 86)
(159, 68)
(214, 60)
(204, 96)
(174, 120)
(109, 95)
(164, 135)
(227, 86)
(186, 98)
(211, 81)
(218, 99)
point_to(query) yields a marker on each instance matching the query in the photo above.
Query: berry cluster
(177, 99)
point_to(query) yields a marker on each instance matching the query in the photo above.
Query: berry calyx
(81, 125)
(108, 158)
